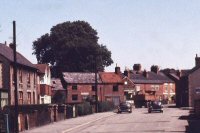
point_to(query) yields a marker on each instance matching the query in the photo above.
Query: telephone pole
(15, 79)
(96, 88)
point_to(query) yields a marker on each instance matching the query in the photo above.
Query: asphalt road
(139, 121)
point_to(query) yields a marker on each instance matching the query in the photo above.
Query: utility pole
(15, 79)
(96, 88)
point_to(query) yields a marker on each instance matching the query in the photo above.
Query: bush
(84, 109)
(105, 106)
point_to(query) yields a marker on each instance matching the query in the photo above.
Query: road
(139, 121)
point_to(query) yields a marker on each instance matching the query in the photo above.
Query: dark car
(125, 107)
(155, 106)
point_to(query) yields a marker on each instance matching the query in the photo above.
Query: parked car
(124, 107)
(155, 106)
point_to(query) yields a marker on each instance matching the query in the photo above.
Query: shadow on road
(193, 123)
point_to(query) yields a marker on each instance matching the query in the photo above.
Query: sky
(150, 32)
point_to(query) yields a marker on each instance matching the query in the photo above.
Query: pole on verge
(96, 89)
(15, 79)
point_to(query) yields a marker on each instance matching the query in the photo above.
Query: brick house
(151, 85)
(112, 88)
(77, 87)
(80, 86)
(45, 83)
(189, 85)
(27, 78)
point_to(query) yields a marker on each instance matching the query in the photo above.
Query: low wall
(31, 116)
(197, 108)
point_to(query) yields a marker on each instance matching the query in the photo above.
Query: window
(34, 80)
(74, 97)
(155, 87)
(166, 88)
(33, 97)
(20, 75)
(28, 78)
(115, 88)
(29, 97)
(1, 80)
(42, 100)
(20, 97)
(74, 87)
(93, 88)
(137, 88)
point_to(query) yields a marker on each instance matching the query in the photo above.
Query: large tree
(72, 46)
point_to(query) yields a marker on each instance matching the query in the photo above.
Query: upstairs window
(21, 97)
(28, 77)
(34, 80)
(20, 75)
(74, 87)
(115, 88)
(29, 97)
(33, 97)
(93, 88)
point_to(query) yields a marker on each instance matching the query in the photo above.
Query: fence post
(74, 111)
(55, 110)
(65, 112)
(7, 124)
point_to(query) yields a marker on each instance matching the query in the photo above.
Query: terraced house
(151, 85)
(27, 78)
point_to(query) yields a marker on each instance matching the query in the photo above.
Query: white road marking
(70, 129)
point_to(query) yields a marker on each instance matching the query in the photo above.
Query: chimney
(197, 60)
(137, 67)
(117, 70)
(155, 69)
(179, 74)
(11, 46)
(145, 74)
(126, 73)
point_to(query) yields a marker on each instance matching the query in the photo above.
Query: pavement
(70, 124)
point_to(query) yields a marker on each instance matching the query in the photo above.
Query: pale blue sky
(151, 32)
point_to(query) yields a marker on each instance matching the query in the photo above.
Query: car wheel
(149, 111)
(130, 111)
(161, 111)
(119, 112)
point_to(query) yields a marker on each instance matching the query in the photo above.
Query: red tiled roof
(7, 52)
(110, 77)
(42, 67)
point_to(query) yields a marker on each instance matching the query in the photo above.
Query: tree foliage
(72, 46)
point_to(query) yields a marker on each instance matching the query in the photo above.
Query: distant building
(44, 91)
(78, 87)
(112, 88)
(151, 85)
(59, 93)
(27, 78)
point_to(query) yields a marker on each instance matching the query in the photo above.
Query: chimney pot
(117, 70)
